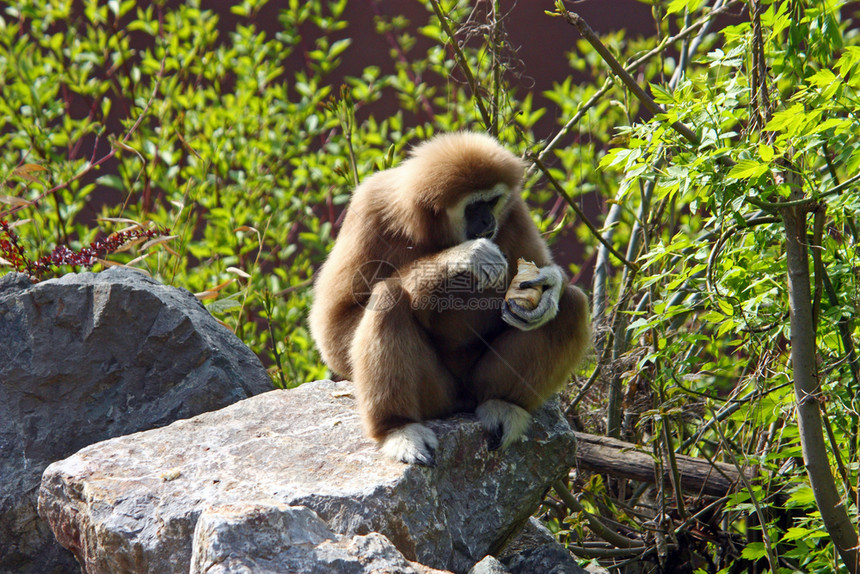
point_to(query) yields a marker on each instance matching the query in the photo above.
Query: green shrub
(131, 116)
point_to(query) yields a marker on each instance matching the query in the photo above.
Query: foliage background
(126, 115)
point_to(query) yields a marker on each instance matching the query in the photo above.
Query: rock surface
(489, 565)
(551, 558)
(132, 504)
(534, 549)
(91, 356)
(236, 539)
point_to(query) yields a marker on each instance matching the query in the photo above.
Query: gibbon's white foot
(552, 280)
(413, 444)
(506, 422)
(486, 263)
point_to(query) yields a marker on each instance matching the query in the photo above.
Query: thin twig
(769, 549)
(583, 391)
(590, 553)
(840, 464)
(703, 24)
(594, 523)
(624, 76)
(561, 191)
(463, 63)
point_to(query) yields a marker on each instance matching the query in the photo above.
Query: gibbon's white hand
(552, 280)
(486, 263)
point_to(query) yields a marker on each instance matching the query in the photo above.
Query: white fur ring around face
(506, 422)
(413, 444)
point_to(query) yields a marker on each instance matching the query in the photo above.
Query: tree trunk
(807, 388)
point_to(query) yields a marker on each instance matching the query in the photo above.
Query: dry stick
(698, 476)
(624, 76)
(703, 24)
(463, 63)
(497, 72)
(591, 553)
(561, 191)
(594, 523)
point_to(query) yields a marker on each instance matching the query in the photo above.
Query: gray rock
(532, 535)
(552, 558)
(262, 539)
(88, 357)
(489, 565)
(132, 503)
(535, 549)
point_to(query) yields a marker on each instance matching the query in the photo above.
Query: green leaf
(748, 168)
(754, 551)
(823, 78)
(787, 120)
(803, 496)
(680, 5)
(848, 60)
(798, 532)
(661, 94)
(725, 307)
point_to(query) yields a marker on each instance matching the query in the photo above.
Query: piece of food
(529, 297)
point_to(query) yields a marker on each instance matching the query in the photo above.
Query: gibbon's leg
(398, 376)
(520, 369)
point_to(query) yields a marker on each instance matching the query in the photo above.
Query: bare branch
(596, 232)
(624, 76)
(463, 63)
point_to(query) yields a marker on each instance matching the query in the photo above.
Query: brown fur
(411, 364)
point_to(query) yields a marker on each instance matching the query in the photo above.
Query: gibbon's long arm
(480, 258)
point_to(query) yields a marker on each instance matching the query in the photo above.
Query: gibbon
(410, 303)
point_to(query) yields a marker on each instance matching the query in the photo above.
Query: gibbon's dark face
(478, 215)
(480, 219)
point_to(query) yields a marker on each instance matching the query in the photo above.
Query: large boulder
(132, 504)
(243, 539)
(92, 356)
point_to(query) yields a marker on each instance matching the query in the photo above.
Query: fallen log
(605, 455)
